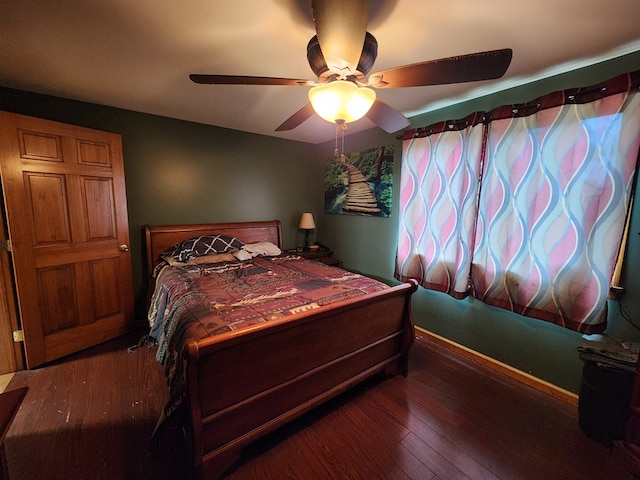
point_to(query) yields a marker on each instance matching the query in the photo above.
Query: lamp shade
(306, 222)
(341, 100)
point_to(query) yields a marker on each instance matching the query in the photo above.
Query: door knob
(124, 248)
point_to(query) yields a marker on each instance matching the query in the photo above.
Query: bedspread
(204, 300)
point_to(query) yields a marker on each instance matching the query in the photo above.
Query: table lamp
(307, 224)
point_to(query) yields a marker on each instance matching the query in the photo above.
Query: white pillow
(242, 255)
(262, 248)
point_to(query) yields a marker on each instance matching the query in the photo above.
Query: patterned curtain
(557, 175)
(438, 196)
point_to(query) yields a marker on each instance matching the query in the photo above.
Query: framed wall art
(360, 183)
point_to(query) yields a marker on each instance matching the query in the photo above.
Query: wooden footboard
(243, 385)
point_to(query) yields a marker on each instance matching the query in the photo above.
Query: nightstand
(324, 256)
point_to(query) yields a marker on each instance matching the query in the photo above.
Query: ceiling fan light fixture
(341, 100)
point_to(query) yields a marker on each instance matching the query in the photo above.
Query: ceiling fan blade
(245, 80)
(296, 119)
(464, 68)
(341, 27)
(386, 117)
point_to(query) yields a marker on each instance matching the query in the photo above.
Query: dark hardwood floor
(90, 416)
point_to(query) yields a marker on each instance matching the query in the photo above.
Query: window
(524, 207)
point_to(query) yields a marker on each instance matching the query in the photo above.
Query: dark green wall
(536, 347)
(181, 172)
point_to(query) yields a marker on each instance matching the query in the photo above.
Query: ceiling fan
(342, 54)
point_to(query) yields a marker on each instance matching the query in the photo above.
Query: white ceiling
(137, 54)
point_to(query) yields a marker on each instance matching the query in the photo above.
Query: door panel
(91, 153)
(100, 208)
(58, 298)
(48, 198)
(66, 214)
(40, 146)
(105, 293)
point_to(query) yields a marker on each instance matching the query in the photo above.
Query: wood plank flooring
(90, 416)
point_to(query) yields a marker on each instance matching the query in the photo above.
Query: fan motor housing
(319, 65)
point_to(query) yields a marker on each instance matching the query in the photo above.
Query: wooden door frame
(13, 358)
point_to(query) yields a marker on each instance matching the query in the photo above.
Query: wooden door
(65, 202)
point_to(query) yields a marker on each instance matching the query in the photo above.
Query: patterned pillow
(203, 245)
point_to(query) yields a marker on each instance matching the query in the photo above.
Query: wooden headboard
(160, 237)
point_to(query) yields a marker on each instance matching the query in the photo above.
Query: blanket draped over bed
(197, 301)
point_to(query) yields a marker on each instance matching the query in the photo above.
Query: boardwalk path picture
(360, 183)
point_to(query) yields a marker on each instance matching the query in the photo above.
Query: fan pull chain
(341, 126)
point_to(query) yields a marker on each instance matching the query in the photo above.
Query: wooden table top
(9, 403)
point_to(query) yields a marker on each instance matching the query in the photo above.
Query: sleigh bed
(254, 375)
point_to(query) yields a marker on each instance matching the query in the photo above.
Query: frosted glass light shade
(306, 222)
(341, 100)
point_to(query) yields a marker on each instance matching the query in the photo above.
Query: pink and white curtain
(438, 202)
(524, 206)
